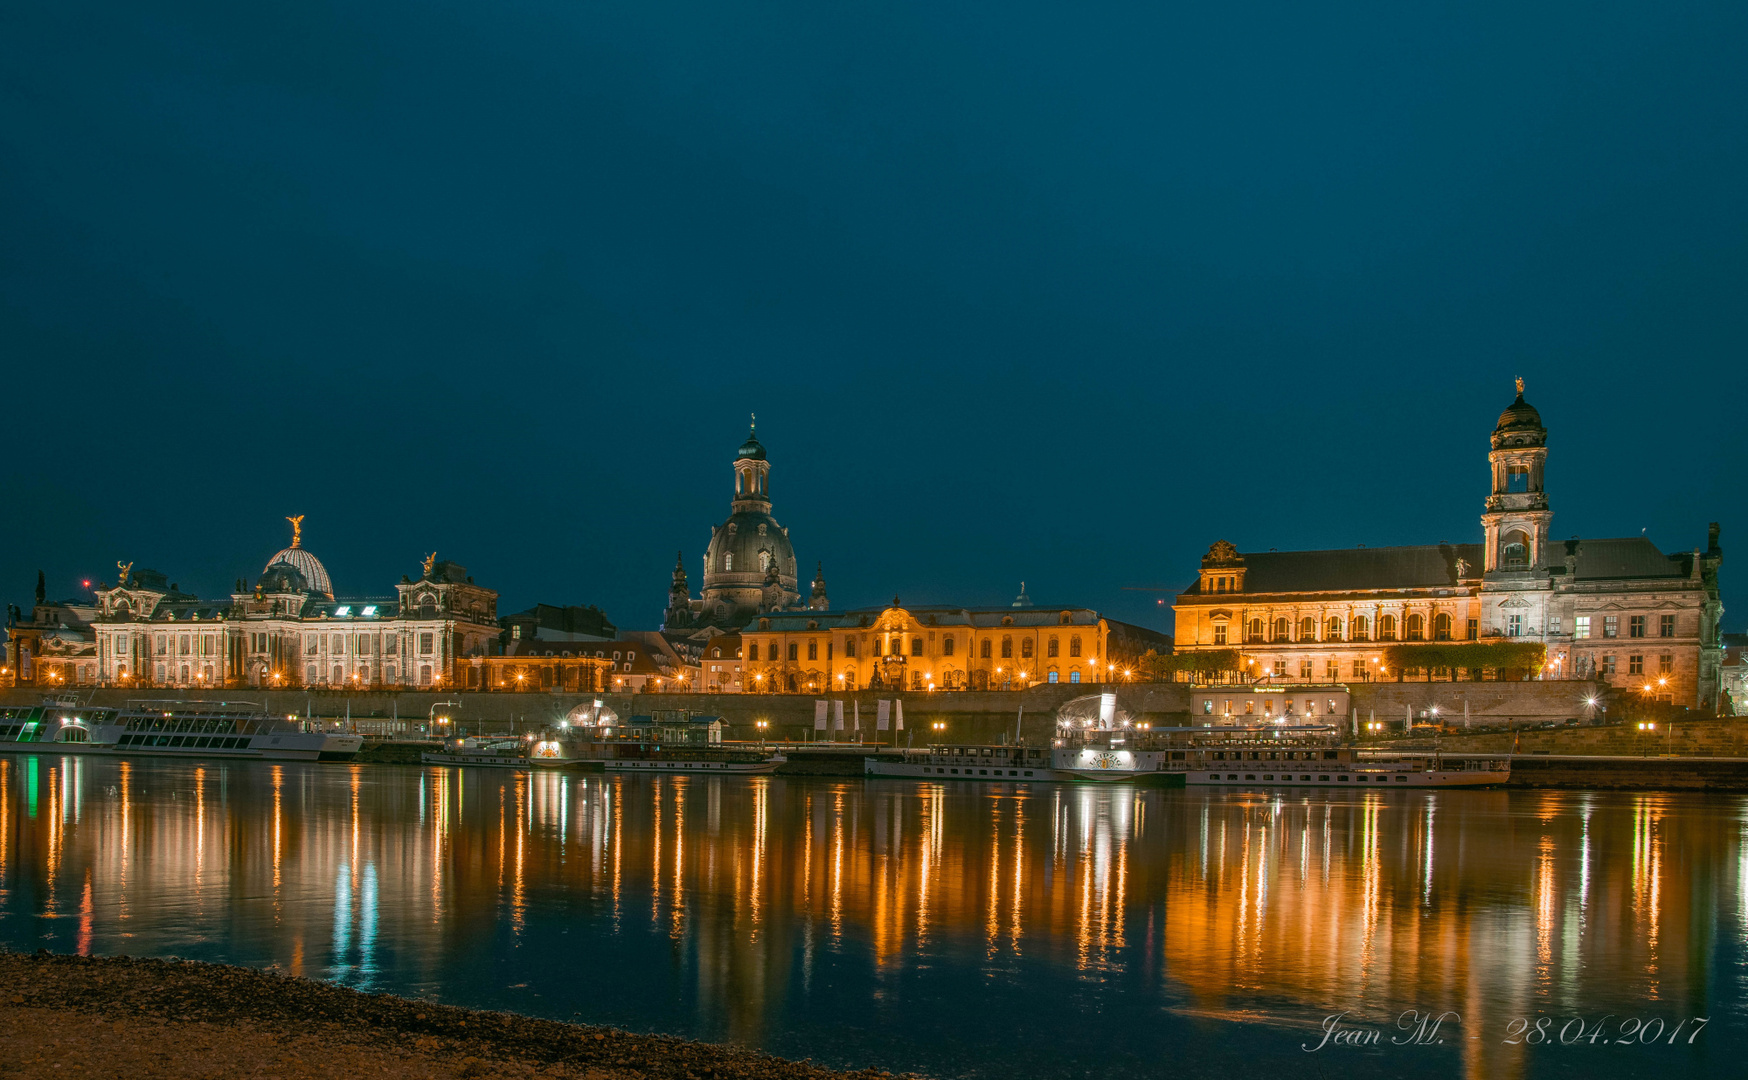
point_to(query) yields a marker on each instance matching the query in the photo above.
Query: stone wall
(1721, 737)
(1488, 702)
(969, 716)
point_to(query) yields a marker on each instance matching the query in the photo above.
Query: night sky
(1060, 293)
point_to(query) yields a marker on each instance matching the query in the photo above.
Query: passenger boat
(720, 762)
(1094, 761)
(169, 729)
(1324, 767)
(507, 752)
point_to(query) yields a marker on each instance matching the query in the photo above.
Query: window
(1554, 624)
(1416, 627)
(1608, 665)
(1280, 630)
(424, 674)
(1361, 628)
(1666, 664)
(1332, 669)
(716, 654)
(1007, 648)
(1219, 637)
(947, 645)
(1473, 631)
(388, 673)
(728, 560)
(363, 645)
(427, 644)
(764, 560)
(793, 647)
(916, 647)
(1305, 669)
(161, 647)
(516, 632)
(1307, 629)
(985, 647)
(339, 645)
(1359, 669)
(1253, 630)
(1611, 626)
(1516, 478)
(1026, 648)
(185, 644)
(1074, 676)
(1386, 628)
(1635, 664)
(1052, 676)
(1514, 626)
(1441, 626)
(309, 675)
(310, 643)
(1636, 626)
(1054, 647)
(1581, 626)
(388, 646)
(1207, 707)
(339, 675)
(1665, 628)
(850, 647)
(752, 650)
(1074, 645)
(1514, 552)
(1332, 630)
(813, 650)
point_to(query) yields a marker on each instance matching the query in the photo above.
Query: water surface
(954, 929)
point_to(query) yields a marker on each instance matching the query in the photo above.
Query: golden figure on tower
(126, 568)
(296, 530)
(430, 561)
(1520, 386)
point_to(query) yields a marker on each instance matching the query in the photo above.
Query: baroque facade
(1615, 609)
(290, 630)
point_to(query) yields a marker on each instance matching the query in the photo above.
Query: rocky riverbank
(64, 1016)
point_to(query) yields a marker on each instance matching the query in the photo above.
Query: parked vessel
(1236, 765)
(169, 729)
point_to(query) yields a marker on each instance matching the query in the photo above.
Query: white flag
(900, 704)
(819, 716)
(885, 719)
(856, 711)
(838, 713)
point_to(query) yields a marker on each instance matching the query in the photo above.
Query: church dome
(744, 548)
(752, 449)
(1520, 415)
(314, 573)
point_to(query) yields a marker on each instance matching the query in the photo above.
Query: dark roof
(1626, 557)
(1355, 569)
(752, 448)
(1520, 415)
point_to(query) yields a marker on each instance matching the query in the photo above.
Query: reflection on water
(958, 930)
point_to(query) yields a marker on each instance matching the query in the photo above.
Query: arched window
(752, 650)
(1307, 629)
(1007, 647)
(716, 654)
(1514, 551)
(1026, 647)
(1416, 627)
(1074, 675)
(764, 560)
(1074, 645)
(1052, 647)
(1386, 628)
(728, 561)
(916, 646)
(1333, 630)
(947, 645)
(985, 649)
(1360, 628)
(1441, 627)
(1280, 629)
(1253, 630)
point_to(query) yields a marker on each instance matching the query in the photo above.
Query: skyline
(1043, 299)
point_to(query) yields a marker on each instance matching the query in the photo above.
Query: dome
(314, 573)
(1520, 415)
(746, 536)
(752, 448)
(283, 577)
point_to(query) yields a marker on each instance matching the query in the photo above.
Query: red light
(87, 583)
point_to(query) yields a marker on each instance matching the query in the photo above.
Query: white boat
(681, 762)
(170, 729)
(490, 752)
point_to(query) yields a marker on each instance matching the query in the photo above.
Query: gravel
(64, 1016)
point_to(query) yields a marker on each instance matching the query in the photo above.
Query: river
(991, 930)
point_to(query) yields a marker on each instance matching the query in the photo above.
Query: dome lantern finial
(296, 530)
(1520, 386)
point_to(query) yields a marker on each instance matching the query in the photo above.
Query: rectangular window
(850, 647)
(1636, 626)
(339, 645)
(1332, 669)
(1666, 664)
(185, 644)
(1359, 669)
(1665, 627)
(1219, 637)
(985, 649)
(916, 646)
(752, 650)
(162, 646)
(793, 647)
(1581, 626)
(947, 645)
(388, 645)
(1514, 626)
(1280, 669)
(1608, 664)
(1611, 626)
(1474, 630)
(1635, 664)
(1554, 625)
(813, 650)
(1305, 669)
(1207, 707)
(427, 646)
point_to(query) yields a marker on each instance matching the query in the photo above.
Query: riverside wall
(1488, 703)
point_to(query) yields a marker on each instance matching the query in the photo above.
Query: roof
(1626, 557)
(308, 565)
(1355, 569)
(941, 615)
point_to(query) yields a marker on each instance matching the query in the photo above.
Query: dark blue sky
(1053, 292)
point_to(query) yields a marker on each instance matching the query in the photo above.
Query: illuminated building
(1614, 609)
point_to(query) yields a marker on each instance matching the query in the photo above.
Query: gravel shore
(67, 1016)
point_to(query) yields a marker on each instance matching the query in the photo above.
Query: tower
(679, 597)
(1517, 517)
(818, 601)
(749, 566)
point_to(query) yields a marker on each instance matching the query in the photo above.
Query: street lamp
(761, 725)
